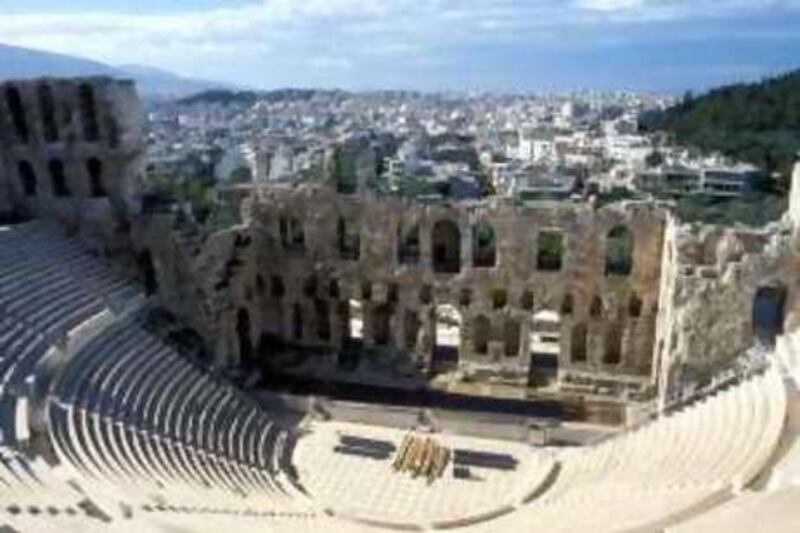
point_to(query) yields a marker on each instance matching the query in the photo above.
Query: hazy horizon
(444, 45)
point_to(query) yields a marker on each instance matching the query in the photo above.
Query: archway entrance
(148, 272)
(544, 342)
(243, 334)
(768, 313)
(446, 242)
(447, 331)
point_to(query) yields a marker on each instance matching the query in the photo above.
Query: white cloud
(338, 33)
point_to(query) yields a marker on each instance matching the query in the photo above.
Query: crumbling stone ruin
(491, 297)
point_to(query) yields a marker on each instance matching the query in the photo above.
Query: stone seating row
(131, 410)
(665, 468)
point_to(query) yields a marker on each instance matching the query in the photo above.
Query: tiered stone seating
(665, 469)
(131, 411)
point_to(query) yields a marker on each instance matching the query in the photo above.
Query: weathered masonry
(71, 150)
(561, 295)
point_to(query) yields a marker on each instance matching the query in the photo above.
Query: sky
(475, 45)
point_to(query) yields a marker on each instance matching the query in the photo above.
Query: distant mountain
(153, 83)
(754, 122)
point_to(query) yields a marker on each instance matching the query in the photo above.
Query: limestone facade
(71, 149)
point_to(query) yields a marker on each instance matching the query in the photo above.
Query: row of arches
(58, 178)
(448, 330)
(48, 113)
(632, 307)
(446, 245)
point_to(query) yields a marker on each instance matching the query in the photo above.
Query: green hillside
(757, 122)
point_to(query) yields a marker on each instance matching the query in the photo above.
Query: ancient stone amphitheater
(107, 423)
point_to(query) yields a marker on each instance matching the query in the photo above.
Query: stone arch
(544, 345)
(323, 319)
(481, 332)
(526, 301)
(578, 338)
(411, 327)
(768, 313)
(27, 178)
(484, 246)
(612, 354)
(88, 113)
(446, 247)
(349, 240)
(567, 304)
(550, 251)
(511, 334)
(355, 317)
(94, 167)
(243, 334)
(408, 245)
(297, 322)
(447, 333)
(58, 178)
(17, 111)
(47, 108)
(292, 233)
(277, 287)
(148, 272)
(381, 325)
(596, 307)
(619, 251)
(634, 306)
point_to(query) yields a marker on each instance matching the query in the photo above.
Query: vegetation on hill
(756, 122)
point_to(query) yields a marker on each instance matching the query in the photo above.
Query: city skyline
(499, 45)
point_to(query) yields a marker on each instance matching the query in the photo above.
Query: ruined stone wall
(708, 315)
(305, 254)
(70, 149)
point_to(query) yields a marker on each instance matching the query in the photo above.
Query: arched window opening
(323, 320)
(88, 113)
(408, 242)
(619, 252)
(58, 178)
(94, 167)
(446, 243)
(297, 322)
(481, 332)
(511, 333)
(448, 337)
(613, 345)
(544, 344)
(260, 284)
(596, 309)
(310, 287)
(27, 178)
(567, 305)
(355, 313)
(578, 343)
(426, 295)
(381, 329)
(465, 298)
(484, 250)
(411, 327)
(349, 240)
(47, 107)
(148, 272)
(499, 298)
(366, 291)
(17, 111)
(768, 313)
(526, 301)
(243, 333)
(634, 307)
(333, 289)
(277, 289)
(550, 251)
(292, 233)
